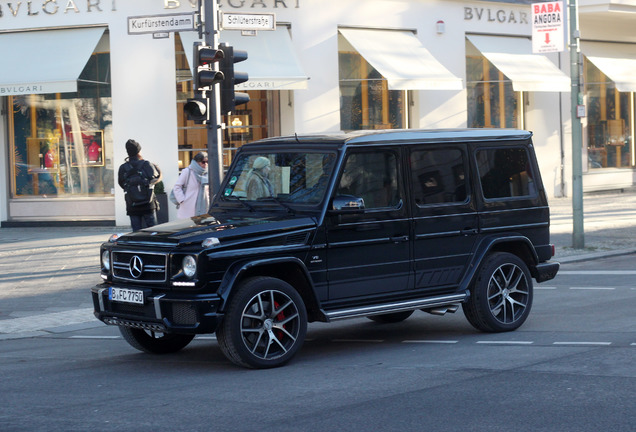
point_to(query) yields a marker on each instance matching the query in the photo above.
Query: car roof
(398, 136)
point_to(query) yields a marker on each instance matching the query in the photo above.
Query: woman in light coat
(191, 189)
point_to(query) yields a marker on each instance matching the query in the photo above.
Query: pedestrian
(258, 184)
(137, 177)
(192, 188)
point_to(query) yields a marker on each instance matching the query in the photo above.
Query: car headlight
(189, 266)
(106, 260)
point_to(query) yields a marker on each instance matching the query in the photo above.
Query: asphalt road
(570, 367)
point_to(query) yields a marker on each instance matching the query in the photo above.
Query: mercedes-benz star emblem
(136, 267)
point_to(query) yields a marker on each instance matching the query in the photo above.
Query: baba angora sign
(548, 27)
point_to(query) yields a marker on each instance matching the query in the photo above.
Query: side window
(372, 177)
(505, 173)
(438, 176)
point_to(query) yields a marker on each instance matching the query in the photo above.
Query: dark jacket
(152, 171)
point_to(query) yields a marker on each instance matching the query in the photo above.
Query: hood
(220, 225)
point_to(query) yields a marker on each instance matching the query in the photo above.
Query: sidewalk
(609, 226)
(46, 273)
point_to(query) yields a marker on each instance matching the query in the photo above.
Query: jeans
(136, 221)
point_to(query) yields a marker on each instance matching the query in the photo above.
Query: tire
(501, 296)
(390, 318)
(265, 324)
(155, 343)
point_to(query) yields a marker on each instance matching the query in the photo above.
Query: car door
(445, 220)
(368, 251)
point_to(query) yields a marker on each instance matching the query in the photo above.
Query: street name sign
(548, 27)
(162, 23)
(248, 21)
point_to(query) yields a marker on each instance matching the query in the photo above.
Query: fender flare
(486, 246)
(238, 269)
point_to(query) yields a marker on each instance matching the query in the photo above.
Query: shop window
(249, 122)
(365, 99)
(610, 143)
(492, 103)
(61, 143)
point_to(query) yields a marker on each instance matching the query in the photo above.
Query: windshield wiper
(279, 202)
(240, 200)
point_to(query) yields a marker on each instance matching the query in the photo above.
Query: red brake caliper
(279, 317)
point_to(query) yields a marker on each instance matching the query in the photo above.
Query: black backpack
(137, 186)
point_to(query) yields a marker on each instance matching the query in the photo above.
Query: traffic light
(229, 97)
(203, 76)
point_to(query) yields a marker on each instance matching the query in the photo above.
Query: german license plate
(126, 295)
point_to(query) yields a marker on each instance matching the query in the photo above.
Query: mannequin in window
(94, 152)
(49, 158)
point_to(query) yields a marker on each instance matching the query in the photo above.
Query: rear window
(505, 173)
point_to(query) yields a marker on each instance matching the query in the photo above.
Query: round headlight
(106, 260)
(189, 266)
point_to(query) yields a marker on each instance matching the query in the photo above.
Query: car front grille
(143, 267)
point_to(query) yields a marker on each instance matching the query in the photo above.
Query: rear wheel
(390, 318)
(501, 297)
(154, 342)
(265, 324)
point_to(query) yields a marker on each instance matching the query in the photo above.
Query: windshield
(284, 178)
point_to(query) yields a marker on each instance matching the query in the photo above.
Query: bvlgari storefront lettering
(238, 4)
(495, 15)
(52, 7)
(21, 89)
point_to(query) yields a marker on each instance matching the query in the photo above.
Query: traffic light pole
(578, 238)
(215, 143)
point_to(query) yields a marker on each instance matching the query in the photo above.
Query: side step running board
(430, 303)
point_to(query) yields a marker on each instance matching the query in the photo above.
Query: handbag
(172, 198)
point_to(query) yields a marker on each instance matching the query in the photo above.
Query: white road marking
(431, 341)
(359, 340)
(582, 343)
(95, 337)
(594, 288)
(506, 342)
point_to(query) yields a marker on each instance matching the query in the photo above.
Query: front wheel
(501, 297)
(154, 342)
(265, 324)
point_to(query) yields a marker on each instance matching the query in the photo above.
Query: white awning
(617, 61)
(271, 62)
(48, 61)
(528, 72)
(401, 59)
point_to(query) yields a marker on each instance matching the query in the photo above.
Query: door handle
(399, 239)
(468, 231)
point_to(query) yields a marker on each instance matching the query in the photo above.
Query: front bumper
(161, 312)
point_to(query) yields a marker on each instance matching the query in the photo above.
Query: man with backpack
(137, 177)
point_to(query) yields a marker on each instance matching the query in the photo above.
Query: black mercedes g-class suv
(371, 224)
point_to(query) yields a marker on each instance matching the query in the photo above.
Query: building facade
(77, 82)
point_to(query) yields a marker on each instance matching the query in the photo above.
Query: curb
(594, 255)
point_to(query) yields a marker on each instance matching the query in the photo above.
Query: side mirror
(347, 204)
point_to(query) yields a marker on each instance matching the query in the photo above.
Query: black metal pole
(215, 143)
